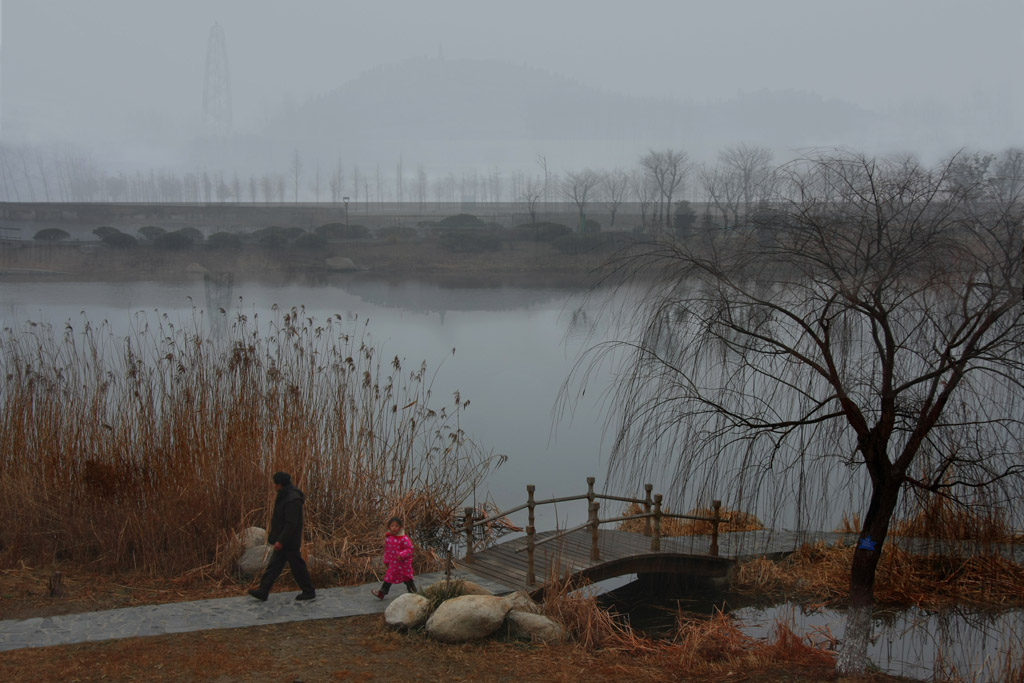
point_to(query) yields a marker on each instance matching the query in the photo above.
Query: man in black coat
(286, 537)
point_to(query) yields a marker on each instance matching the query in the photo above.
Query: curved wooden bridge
(589, 552)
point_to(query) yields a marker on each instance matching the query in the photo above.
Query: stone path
(199, 615)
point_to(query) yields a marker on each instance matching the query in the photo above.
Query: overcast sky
(73, 65)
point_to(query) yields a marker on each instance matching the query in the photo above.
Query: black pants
(276, 565)
(385, 587)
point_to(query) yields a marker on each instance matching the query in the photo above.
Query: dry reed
(700, 645)
(590, 626)
(152, 450)
(817, 573)
(674, 526)
(939, 517)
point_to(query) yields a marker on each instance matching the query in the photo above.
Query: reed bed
(943, 518)
(818, 573)
(700, 645)
(673, 526)
(151, 450)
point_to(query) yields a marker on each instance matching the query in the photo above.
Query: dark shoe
(262, 597)
(306, 596)
(377, 594)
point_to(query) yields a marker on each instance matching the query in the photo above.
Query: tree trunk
(853, 653)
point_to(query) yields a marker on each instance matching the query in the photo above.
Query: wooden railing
(652, 516)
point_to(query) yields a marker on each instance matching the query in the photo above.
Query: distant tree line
(731, 187)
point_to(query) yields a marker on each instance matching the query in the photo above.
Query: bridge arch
(683, 564)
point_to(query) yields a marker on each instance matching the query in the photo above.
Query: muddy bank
(521, 264)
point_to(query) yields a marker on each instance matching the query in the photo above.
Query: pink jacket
(398, 557)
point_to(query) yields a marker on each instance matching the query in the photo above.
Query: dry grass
(590, 626)
(717, 645)
(849, 525)
(942, 518)
(700, 646)
(673, 526)
(362, 649)
(151, 451)
(821, 574)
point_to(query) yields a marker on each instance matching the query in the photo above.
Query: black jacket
(286, 524)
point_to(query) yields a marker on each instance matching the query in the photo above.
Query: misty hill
(416, 103)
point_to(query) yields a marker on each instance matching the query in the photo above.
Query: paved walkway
(199, 615)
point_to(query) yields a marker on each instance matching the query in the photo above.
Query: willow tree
(870, 321)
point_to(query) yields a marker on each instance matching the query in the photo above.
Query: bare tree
(337, 183)
(872, 336)
(722, 191)
(668, 169)
(314, 186)
(542, 161)
(581, 187)
(530, 192)
(422, 182)
(644, 190)
(615, 186)
(295, 171)
(399, 182)
(752, 171)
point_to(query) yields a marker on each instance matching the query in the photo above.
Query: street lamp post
(345, 199)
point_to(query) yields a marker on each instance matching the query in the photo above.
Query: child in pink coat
(397, 558)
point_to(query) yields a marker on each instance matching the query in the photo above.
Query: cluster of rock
(474, 615)
(255, 553)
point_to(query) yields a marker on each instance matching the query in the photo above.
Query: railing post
(595, 554)
(716, 505)
(590, 491)
(469, 533)
(531, 576)
(656, 537)
(647, 508)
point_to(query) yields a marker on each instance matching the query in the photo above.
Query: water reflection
(915, 643)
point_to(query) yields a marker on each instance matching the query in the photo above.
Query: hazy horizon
(125, 79)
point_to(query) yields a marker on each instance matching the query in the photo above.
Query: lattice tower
(217, 86)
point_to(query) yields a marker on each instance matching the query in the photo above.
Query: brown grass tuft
(849, 525)
(590, 626)
(942, 518)
(817, 573)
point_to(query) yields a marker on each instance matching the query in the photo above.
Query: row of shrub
(458, 233)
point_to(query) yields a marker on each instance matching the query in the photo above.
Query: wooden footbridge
(589, 552)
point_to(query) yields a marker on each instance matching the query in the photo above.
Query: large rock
(408, 610)
(253, 537)
(254, 560)
(467, 617)
(520, 601)
(535, 627)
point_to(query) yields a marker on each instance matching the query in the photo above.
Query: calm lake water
(514, 347)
